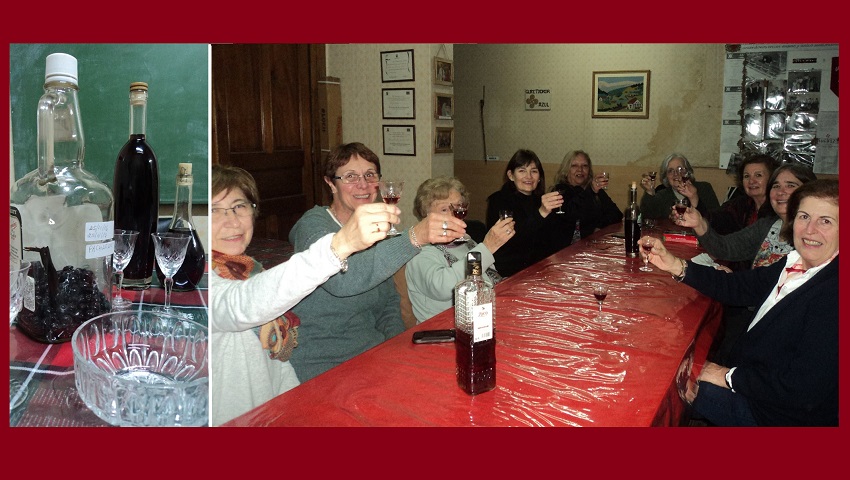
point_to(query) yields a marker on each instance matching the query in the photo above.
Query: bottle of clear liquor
(192, 270)
(66, 217)
(136, 188)
(475, 337)
(576, 233)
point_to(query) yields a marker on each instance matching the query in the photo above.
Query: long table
(557, 363)
(47, 395)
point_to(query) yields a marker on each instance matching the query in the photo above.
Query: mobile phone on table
(434, 336)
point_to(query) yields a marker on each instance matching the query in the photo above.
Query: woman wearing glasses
(251, 336)
(358, 309)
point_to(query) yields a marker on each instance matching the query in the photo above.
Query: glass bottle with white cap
(66, 217)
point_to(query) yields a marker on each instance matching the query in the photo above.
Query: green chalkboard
(177, 115)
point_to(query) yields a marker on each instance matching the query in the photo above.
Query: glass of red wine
(646, 247)
(459, 210)
(652, 176)
(600, 291)
(684, 174)
(681, 207)
(391, 193)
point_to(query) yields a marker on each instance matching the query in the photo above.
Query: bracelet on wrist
(681, 276)
(343, 262)
(413, 240)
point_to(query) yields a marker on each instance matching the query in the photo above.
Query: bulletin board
(782, 100)
(177, 112)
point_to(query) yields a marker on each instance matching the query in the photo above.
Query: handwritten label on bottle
(98, 250)
(99, 231)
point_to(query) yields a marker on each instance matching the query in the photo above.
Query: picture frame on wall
(621, 94)
(444, 139)
(399, 140)
(398, 103)
(444, 72)
(397, 66)
(444, 106)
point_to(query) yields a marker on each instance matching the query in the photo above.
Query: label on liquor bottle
(99, 231)
(97, 250)
(482, 322)
(16, 240)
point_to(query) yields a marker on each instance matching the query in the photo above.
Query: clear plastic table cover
(558, 364)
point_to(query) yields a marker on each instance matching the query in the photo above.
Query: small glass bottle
(631, 223)
(136, 188)
(66, 218)
(192, 270)
(475, 337)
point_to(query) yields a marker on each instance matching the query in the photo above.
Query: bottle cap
(60, 67)
(139, 86)
(184, 169)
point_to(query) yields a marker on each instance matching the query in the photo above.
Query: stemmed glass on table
(17, 288)
(391, 193)
(600, 291)
(459, 210)
(170, 248)
(125, 244)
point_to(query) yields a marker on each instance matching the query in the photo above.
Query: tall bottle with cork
(475, 338)
(631, 223)
(136, 188)
(65, 217)
(190, 273)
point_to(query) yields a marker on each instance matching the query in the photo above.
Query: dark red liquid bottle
(190, 273)
(135, 188)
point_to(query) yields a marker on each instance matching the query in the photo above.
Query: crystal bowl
(143, 368)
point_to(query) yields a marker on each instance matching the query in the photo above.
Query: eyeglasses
(239, 210)
(370, 177)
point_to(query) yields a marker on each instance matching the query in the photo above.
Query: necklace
(331, 212)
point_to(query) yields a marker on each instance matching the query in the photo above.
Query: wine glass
(646, 246)
(125, 244)
(459, 210)
(652, 176)
(684, 174)
(391, 193)
(600, 291)
(170, 248)
(17, 288)
(607, 177)
(681, 206)
(561, 206)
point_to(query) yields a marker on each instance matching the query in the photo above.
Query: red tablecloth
(46, 395)
(557, 364)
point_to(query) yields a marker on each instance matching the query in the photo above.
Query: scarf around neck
(279, 336)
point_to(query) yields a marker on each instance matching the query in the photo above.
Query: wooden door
(264, 101)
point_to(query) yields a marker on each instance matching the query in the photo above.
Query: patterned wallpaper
(685, 100)
(359, 70)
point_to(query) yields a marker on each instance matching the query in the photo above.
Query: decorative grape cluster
(77, 299)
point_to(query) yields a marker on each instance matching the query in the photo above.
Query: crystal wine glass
(391, 193)
(681, 206)
(600, 291)
(17, 287)
(170, 248)
(125, 244)
(561, 206)
(646, 246)
(652, 176)
(459, 210)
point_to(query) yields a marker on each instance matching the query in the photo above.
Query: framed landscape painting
(621, 94)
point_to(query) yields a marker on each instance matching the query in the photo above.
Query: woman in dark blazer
(784, 369)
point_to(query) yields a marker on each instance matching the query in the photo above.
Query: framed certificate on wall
(398, 103)
(397, 66)
(399, 140)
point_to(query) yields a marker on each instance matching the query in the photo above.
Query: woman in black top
(585, 201)
(522, 194)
